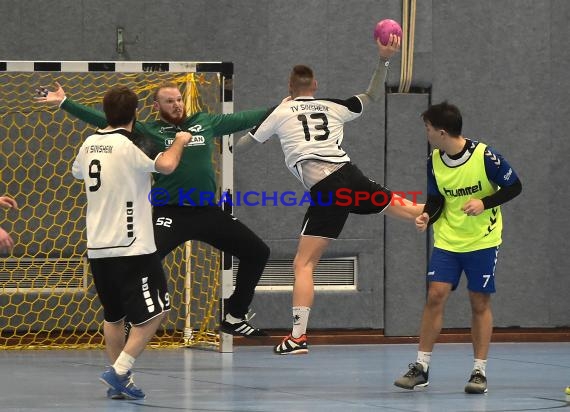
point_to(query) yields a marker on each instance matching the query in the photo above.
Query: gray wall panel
(363, 308)
(499, 88)
(38, 30)
(10, 27)
(554, 202)
(405, 249)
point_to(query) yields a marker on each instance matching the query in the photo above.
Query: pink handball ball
(386, 27)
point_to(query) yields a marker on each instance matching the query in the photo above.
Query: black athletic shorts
(345, 191)
(131, 286)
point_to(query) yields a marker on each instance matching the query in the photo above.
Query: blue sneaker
(122, 383)
(112, 393)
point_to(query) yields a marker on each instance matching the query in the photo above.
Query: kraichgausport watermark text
(341, 197)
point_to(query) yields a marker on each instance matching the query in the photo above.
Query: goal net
(47, 295)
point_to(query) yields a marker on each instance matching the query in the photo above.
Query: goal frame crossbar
(225, 71)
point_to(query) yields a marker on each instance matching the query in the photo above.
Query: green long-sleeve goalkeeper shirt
(193, 182)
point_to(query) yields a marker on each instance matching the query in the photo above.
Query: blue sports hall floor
(522, 377)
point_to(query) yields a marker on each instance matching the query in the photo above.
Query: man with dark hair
(467, 183)
(127, 271)
(190, 217)
(310, 131)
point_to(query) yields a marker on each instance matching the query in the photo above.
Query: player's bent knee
(436, 297)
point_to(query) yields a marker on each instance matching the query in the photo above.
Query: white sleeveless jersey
(117, 183)
(309, 128)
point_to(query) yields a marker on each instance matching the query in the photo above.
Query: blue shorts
(479, 267)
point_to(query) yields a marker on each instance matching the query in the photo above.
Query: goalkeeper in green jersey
(184, 205)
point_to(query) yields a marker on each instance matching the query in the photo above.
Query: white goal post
(47, 266)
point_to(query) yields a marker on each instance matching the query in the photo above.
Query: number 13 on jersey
(319, 125)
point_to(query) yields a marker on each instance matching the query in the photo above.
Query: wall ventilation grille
(331, 274)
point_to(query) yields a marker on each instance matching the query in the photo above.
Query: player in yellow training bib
(467, 183)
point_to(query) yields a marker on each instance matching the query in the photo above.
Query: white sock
(423, 359)
(300, 320)
(480, 364)
(124, 363)
(232, 319)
